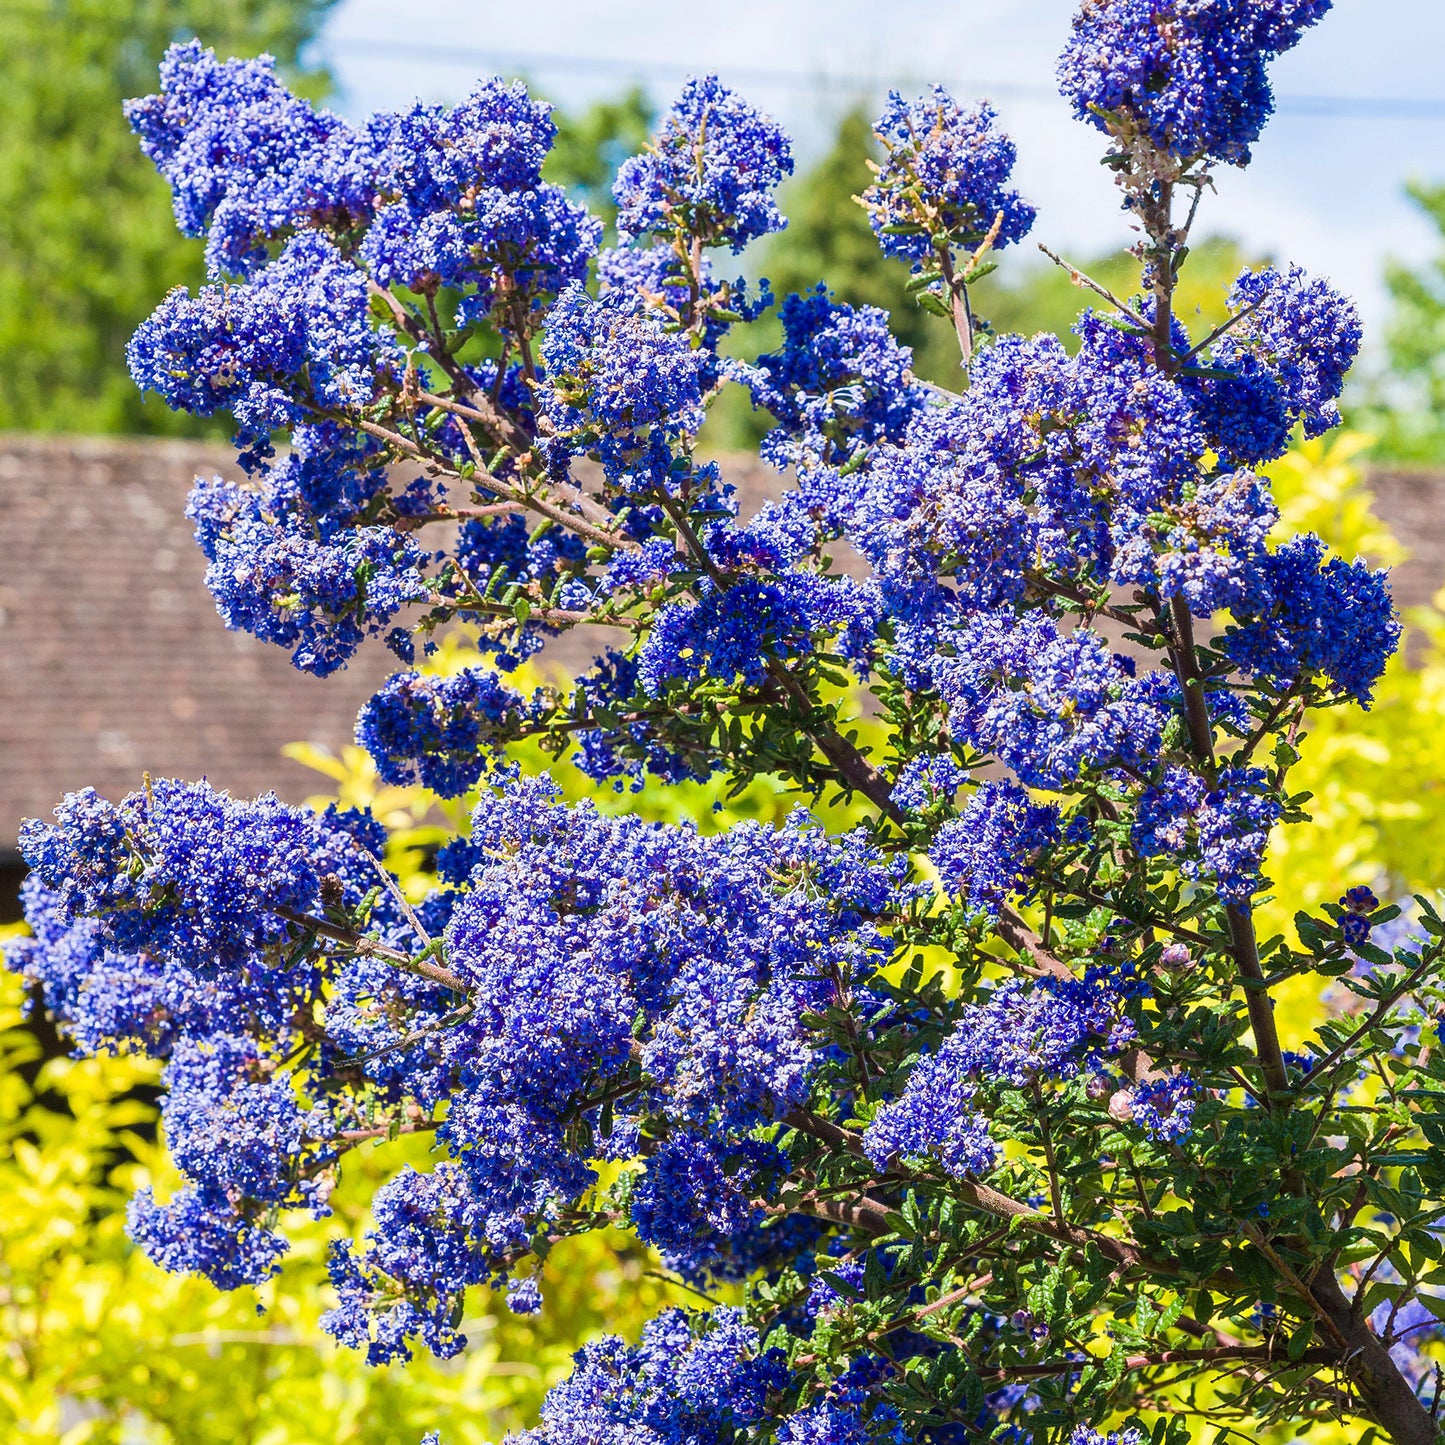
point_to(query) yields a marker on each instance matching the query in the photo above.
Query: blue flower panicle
(692, 1380)
(985, 854)
(246, 159)
(710, 170)
(1316, 618)
(839, 384)
(1190, 78)
(1049, 1030)
(946, 172)
(436, 731)
(1302, 334)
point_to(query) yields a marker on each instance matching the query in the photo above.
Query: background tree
(1405, 406)
(87, 239)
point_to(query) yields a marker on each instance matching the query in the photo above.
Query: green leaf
(845, 1288)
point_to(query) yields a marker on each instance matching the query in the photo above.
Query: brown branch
(370, 948)
(1191, 683)
(558, 616)
(505, 428)
(1259, 1003)
(1375, 1017)
(528, 500)
(457, 514)
(958, 303)
(1011, 927)
(1221, 1354)
(858, 1213)
(1003, 1206)
(1244, 944)
(383, 1131)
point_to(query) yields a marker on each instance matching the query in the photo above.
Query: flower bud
(1121, 1106)
(1354, 929)
(1359, 899)
(1099, 1087)
(1176, 957)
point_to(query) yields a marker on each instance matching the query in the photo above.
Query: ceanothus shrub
(981, 1109)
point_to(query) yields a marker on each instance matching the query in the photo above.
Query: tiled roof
(113, 661)
(1413, 503)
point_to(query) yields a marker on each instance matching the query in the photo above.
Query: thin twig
(1223, 327)
(1079, 278)
(394, 888)
(1376, 1015)
(371, 948)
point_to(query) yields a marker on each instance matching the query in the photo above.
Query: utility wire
(1356, 107)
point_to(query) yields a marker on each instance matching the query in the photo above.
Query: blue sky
(1325, 189)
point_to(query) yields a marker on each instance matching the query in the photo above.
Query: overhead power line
(1344, 107)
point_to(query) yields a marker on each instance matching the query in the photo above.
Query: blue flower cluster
(291, 575)
(158, 926)
(695, 1204)
(424, 1249)
(927, 780)
(436, 731)
(731, 632)
(709, 171)
(247, 160)
(1356, 906)
(946, 172)
(1059, 465)
(201, 1231)
(1164, 1108)
(289, 346)
(1302, 334)
(596, 951)
(1316, 618)
(1218, 832)
(627, 749)
(692, 1380)
(1047, 1031)
(307, 221)
(985, 854)
(1050, 704)
(1083, 1435)
(1189, 78)
(840, 383)
(179, 871)
(463, 205)
(437, 196)
(621, 389)
(230, 1126)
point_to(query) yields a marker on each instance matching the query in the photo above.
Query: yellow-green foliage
(1377, 777)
